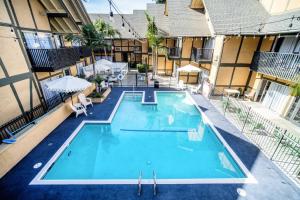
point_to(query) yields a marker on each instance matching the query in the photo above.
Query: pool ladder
(140, 184)
(154, 184)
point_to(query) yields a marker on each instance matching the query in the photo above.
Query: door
(294, 113)
(276, 97)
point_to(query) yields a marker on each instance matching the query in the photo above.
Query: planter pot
(101, 99)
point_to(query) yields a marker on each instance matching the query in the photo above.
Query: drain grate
(37, 165)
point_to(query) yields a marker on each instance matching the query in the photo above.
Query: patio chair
(104, 85)
(84, 100)
(196, 89)
(78, 110)
(180, 85)
(249, 95)
(10, 140)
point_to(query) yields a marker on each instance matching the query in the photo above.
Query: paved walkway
(272, 183)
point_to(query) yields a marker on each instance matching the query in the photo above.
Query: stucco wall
(11, 154)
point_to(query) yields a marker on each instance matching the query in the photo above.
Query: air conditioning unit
(118, 48)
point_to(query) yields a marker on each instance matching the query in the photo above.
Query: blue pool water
(169, 138)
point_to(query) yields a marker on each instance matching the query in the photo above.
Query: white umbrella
(189, 68)
(68, 84)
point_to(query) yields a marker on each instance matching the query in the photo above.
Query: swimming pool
(171, 139)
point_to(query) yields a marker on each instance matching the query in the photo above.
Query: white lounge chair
(196, 89)
(84, 100)
(78, 109)
(104, 85)
(180, 85)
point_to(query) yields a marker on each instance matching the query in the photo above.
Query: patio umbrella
(188, 69)
(68, 84)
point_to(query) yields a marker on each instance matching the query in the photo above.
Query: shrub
(142, 68)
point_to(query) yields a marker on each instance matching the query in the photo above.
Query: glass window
(38, 40)
(297, 47)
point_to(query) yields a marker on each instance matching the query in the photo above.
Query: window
(38, 40)
(297, 48)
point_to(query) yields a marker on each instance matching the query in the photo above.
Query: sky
(126, 6)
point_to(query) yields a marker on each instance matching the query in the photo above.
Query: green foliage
(98, 79)
(142, 68)
(89, 37)
(105, 28)
(160, 1)
(96, 95)
(153, 36)
(295, 89)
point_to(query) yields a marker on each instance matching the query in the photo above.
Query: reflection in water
(225, 162)
(107, 139)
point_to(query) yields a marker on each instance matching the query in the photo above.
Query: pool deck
(272, 183)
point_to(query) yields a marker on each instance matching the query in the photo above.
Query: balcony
(49, 60)
(174, 53)
(202, 55)
(83, 51)
(280, 65)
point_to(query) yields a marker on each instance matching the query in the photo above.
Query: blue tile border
(272, 183)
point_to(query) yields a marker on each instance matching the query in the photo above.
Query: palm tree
(108, 31)
(90, 38)
(154, 40)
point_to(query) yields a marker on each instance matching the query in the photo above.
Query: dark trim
(32, 16)
(231, 85)
(236, 59)
(251, 72)
(11, 86)
(56, 14)
(273, 43)
(30, 94)
(12, 79)
(235, 64)
(192, 49)
(9, 8)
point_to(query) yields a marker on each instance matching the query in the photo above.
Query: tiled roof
(181, 20)
(247, 17)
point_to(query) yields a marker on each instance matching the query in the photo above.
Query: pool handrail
(154, 183)
(140, 184)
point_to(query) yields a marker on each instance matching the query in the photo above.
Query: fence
(280, 146)
(22, 121)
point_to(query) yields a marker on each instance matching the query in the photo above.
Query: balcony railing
(174, 52)
(83, 51)
(202, 55)
(281, 65)
(49, 60)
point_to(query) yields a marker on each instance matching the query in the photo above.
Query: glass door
(294, 113)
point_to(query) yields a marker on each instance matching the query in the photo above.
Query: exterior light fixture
(279, 36)
(123, 24)
(297, 35)
(111, 14)
(265, 36)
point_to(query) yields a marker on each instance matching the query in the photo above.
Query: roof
(181, 20)
(248, 17)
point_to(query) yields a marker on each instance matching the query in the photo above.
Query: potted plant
(98, 80)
